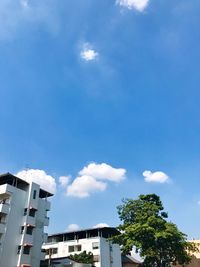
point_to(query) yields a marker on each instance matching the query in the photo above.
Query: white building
(93, 240)
(23, 215)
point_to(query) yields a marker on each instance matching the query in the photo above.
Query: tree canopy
(82, 257)
(145, 227)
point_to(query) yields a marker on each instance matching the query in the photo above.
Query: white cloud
(101, 225)
(64, 180)
(155, 177)
(73, 227)
(40, 177)
(140, 5)
(104, 171)
(88, 53)
(91, 179)
(85, 185)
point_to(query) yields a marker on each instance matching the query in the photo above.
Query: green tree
(83, 257)
(145, 227)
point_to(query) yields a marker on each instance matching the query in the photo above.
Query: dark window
(34, 194)
(25, 211)
(22, 229)
(95, 245)
(78, 248)
(54, 251)
(51, 251)
(29, 230)
(71, 249)
(32, 212)
(47, 251)
(18, 249)
(26, 250)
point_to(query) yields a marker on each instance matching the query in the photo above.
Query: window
(26, 250)
(74, 248)
(111, 259)
(32, 212)
(47, 251)
(29, 230)
(71, 249)
(25, 211)
(54, 251)
(34, 194)
(95, 245)
(78, 248)
(51, 251)
(18, 249)
(22, 230)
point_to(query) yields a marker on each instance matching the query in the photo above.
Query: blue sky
(99, 93)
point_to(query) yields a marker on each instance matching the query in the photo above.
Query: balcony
(4, 208)
(28, 239)
(28, 220)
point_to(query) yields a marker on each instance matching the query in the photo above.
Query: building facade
(106, 254)
(23, 215)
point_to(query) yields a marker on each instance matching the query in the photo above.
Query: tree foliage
(82, 257)
(145, 227)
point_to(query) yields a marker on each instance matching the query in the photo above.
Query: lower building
(95, 240)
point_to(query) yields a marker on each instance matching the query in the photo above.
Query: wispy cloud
(94, 178)
(40, 177)
(155, 177)
(88, 53)
(139, 5)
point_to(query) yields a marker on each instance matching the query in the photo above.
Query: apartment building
(23, 215)
(95, 240)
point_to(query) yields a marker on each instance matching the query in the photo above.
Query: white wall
(104, 252)
(15, 219)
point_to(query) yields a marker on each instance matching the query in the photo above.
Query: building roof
(8, 178)
(93, 232)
